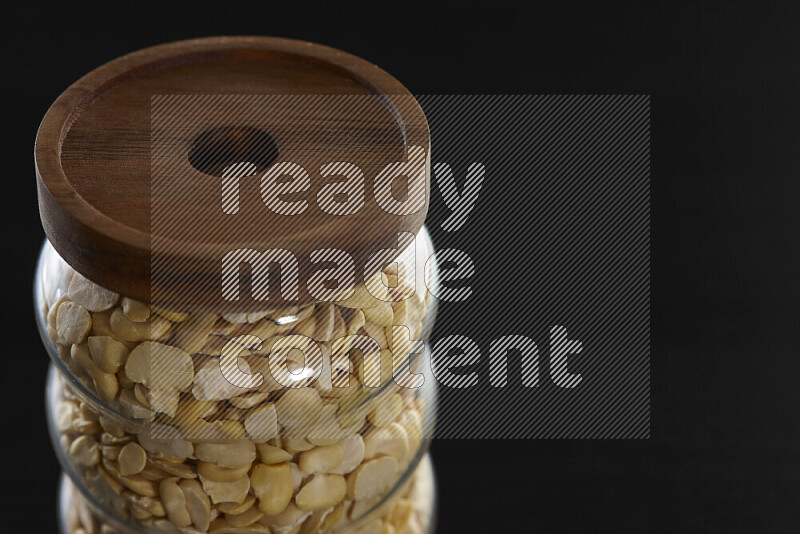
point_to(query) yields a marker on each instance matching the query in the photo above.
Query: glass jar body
(410, 510)
(148, 418)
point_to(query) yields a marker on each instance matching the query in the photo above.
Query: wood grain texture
(96, 160)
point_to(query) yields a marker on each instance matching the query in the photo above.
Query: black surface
(724, 455)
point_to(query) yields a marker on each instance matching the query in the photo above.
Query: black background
(724, 452)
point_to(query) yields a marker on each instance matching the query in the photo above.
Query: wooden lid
(130, 159)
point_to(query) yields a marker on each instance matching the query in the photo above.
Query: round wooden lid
(161, 169)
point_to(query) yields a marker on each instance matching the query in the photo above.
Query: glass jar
(126, 449)
(174, 406)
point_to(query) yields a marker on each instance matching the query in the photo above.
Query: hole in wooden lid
(216, 150)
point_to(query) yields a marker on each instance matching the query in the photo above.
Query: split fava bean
(321, 459)
(198, 505)
(248, 401)
(291, 518)
(371, 478)
(211, 385)
(90, 295)
(85, 451)
(108, 353)
(171, 448)
(221, 474)
(295, 445)
(174, 502)
(159, 366)
(126, 330)
(229, 455)
(134, 310)
(65, 412)
(72, 323)
(175, 317)
(270, 454)
(235, 491)
(132, 406)
(334, 517)
(244, 519)
(391, 440)
(321, 492)
(106, 384)
(272, 485)
(235, 507)
(164, 401)
(150, 505)
(172, 467)
(352, 455)
(132, 459)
